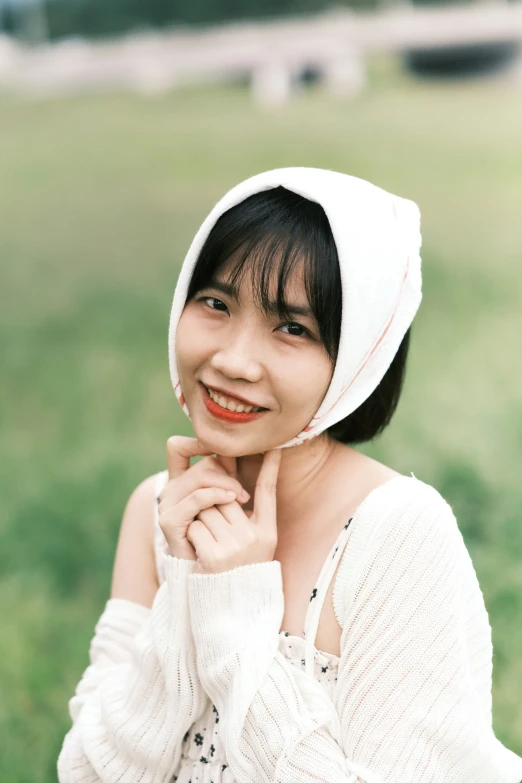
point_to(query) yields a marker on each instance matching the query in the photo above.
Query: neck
(302, 472)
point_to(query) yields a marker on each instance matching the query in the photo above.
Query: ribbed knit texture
(140, 693)
(412, 699)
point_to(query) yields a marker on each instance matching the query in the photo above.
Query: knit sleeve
(414, 682)
(407, 707)
(140, 694)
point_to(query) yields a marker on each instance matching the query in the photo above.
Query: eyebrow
(231, 291)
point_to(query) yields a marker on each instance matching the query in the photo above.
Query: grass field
(100, 198)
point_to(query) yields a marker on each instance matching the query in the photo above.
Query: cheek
(314, 374)
(186, 342)
(320, 381)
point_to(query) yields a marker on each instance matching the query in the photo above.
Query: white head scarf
(378, 240)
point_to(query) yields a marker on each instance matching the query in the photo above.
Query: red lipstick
(226, 415)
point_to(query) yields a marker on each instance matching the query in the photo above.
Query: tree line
(56, 19)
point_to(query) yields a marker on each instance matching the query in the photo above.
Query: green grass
(100, 198)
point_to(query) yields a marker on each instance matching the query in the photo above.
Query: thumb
(179, 451)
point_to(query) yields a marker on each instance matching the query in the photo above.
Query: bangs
(274, 234)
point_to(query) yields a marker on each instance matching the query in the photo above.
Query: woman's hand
(190, 489)
(226, 537)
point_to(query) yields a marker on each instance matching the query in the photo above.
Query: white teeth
(228, 404)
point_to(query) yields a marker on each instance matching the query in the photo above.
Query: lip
(236, 396)
(226, 415)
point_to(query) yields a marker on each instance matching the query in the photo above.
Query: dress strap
(313, 612)
(160, 542)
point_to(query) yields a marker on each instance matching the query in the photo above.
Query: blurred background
(121, 124)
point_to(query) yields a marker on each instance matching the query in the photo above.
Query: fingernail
(245, 495)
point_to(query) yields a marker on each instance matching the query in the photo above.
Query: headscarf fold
(378, 240)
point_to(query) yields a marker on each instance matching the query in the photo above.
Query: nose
(239, 357)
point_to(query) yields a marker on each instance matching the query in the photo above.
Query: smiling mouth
(211, 400)
(232, 403)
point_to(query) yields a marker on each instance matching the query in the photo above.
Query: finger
(228, 463)
(226, 466)
(232, 512)
(201, 539)
(265, 501)
(193, 479)
(206, 515)
(191, 506)
(179, 451)
(211, 463)
(215, 521)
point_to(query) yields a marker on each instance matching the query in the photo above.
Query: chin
(216, 443)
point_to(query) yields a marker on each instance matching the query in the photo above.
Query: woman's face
(229, 344)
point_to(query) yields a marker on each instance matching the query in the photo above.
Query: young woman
(288, 609)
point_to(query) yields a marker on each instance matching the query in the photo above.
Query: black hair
(272, 231)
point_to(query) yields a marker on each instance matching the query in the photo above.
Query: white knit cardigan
(412, 702)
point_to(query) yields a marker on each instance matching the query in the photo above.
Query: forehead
(248, 277)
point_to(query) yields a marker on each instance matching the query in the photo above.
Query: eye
(212, 299)
(293, 325)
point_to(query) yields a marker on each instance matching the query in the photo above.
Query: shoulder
(135, 567)
(140, 512)
(147, 492)
(402, 503)
(140, 507)
(142, 495)
(389, 498)
(402, 525)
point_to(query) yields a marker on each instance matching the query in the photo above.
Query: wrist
(182, 553)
